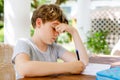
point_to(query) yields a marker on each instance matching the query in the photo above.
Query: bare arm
(115, 64)
(77, 41)
(80, 47)
(25, 67)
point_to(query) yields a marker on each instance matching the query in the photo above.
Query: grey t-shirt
(28, 47)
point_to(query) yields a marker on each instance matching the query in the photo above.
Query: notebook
(93, 68)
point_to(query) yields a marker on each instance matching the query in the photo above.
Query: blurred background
(98, 22)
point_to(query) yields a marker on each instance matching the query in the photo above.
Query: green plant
(64, 38)
(31, 31)
(1, 6)
(1, 24)
(96, 42)
(1, 10)
(36, 3)
(59, 2)
(2, 35)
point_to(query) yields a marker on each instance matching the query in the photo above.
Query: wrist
(67, 67)
(74, 31)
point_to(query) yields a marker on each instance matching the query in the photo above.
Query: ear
(38, 22)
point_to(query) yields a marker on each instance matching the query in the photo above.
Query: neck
(39, 43)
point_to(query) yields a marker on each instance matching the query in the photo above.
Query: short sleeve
(60, 50)
(20, 47)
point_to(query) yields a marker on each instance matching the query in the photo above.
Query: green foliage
(96, 42)
(1, 6)
(1, 24)
(1, 32)
(31, 31)
(2, 35)
(36, 3)
(64, 38)
(1, 21)
(59, 2)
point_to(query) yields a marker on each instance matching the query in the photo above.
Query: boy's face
(48, 32)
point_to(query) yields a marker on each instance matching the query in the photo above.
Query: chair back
(6, 68)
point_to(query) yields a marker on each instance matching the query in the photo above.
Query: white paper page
(93, 68)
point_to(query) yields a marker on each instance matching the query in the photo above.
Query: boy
(37, 56)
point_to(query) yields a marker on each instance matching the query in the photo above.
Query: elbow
(24, 73)
(23, 70)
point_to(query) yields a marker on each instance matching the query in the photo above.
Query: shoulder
(22, 40)
(22, 43)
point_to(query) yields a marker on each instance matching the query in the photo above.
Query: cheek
(49, 32)
(46, 31)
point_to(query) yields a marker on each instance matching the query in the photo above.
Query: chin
(50, 43)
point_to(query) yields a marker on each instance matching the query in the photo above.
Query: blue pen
(77, 55)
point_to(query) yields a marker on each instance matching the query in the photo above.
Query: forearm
(37, 68)
(115, 64)
(80, 47)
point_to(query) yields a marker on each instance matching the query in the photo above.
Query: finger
(58, 29)
(62, 30)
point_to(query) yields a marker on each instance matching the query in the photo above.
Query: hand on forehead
(55, 23)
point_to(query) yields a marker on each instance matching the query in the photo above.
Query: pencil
(77, 55)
